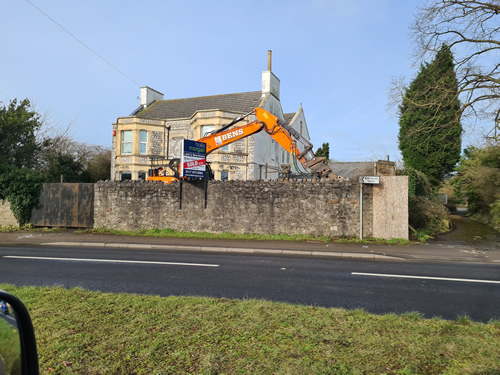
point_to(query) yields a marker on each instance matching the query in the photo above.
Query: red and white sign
(194, 163)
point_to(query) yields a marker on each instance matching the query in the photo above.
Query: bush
(418, 184)
(478, 181)
(21, 187)
(427, 214)
(495, 213)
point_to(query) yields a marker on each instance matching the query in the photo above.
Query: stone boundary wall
(321, 208)
(6, 216)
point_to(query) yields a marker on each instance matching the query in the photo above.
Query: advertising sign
(193, 159)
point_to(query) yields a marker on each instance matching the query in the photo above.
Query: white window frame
(143, 143)
(205, 129)
(127, 144)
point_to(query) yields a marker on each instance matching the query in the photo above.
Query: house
(157, 127)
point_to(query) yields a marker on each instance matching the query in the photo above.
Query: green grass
(10, 348)
(29, 228)
(82, 332)
(155, 232)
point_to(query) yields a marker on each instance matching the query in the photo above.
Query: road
(440, 289)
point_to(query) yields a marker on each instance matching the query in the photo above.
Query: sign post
(373, 180)
(193, 159)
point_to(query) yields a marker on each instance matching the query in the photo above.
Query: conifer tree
(430, 129)
(324, 150)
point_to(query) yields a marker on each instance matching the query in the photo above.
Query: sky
(335, 57)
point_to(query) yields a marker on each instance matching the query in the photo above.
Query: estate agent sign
(193, 159)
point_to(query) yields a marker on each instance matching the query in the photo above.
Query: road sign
(369, 180)
(193, 159)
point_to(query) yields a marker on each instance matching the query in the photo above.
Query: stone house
(157, 127)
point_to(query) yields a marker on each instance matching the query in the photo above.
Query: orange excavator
(283, 134)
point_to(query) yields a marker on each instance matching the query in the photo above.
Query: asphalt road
(448, 290)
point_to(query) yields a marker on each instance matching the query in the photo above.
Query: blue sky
(336, 57)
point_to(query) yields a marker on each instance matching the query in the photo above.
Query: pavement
(441, 250)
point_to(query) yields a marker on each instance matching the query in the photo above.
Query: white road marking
(427, 278)
(9, 318)
(114, 261)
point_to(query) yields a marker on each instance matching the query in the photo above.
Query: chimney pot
(269, 55)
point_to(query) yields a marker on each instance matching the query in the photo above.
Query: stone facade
(326, 208)
(168, 121)
(6, 216)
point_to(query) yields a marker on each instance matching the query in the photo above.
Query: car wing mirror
(18, 353)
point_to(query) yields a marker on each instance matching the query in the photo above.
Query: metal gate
(65, 205)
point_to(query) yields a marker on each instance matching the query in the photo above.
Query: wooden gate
(65, 205)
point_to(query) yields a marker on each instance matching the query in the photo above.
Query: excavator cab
(167, 170)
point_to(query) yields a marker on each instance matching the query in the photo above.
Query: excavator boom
(283, 134)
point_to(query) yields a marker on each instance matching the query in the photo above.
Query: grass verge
(166, 232)
(82, 332)
(29, 228)
(10, 348)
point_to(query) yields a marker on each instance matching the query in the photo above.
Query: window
(206, 129)
(143, 142)
(224, 148)
(125, 176)
(141, 176)
(127, 139)
(273, 150)
(301, 128)
(285, 157)
(224, 175)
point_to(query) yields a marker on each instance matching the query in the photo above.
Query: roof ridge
(208, 96)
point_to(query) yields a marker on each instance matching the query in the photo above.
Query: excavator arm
(283, 134)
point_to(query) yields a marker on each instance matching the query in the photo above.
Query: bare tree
(471, 28)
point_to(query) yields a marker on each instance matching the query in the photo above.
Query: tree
(20, 146)
(478, 178)
(471, 29)
(324, 151)
(29, 157)
(430, 129)
(19, 141)
(99, 165)
(76, 161)
(65, 166)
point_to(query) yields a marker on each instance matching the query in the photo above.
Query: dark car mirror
(18, 353)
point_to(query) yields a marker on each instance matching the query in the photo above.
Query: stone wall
(6, 216)
(328, 208)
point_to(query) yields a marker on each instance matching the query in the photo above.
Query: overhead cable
(82, 43)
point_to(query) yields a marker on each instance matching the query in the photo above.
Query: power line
(82, 43)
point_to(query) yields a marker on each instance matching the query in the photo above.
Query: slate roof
(242, 102)
(353, 170)
(288, 117)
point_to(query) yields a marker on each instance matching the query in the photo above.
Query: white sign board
(369, 179)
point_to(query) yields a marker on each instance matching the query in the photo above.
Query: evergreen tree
(430, 129)
(324, 150)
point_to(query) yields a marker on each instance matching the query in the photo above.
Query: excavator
(283, 134)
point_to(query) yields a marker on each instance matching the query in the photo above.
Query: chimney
(270, 83)
(149, 95)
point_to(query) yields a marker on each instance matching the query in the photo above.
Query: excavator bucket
(318, 166)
